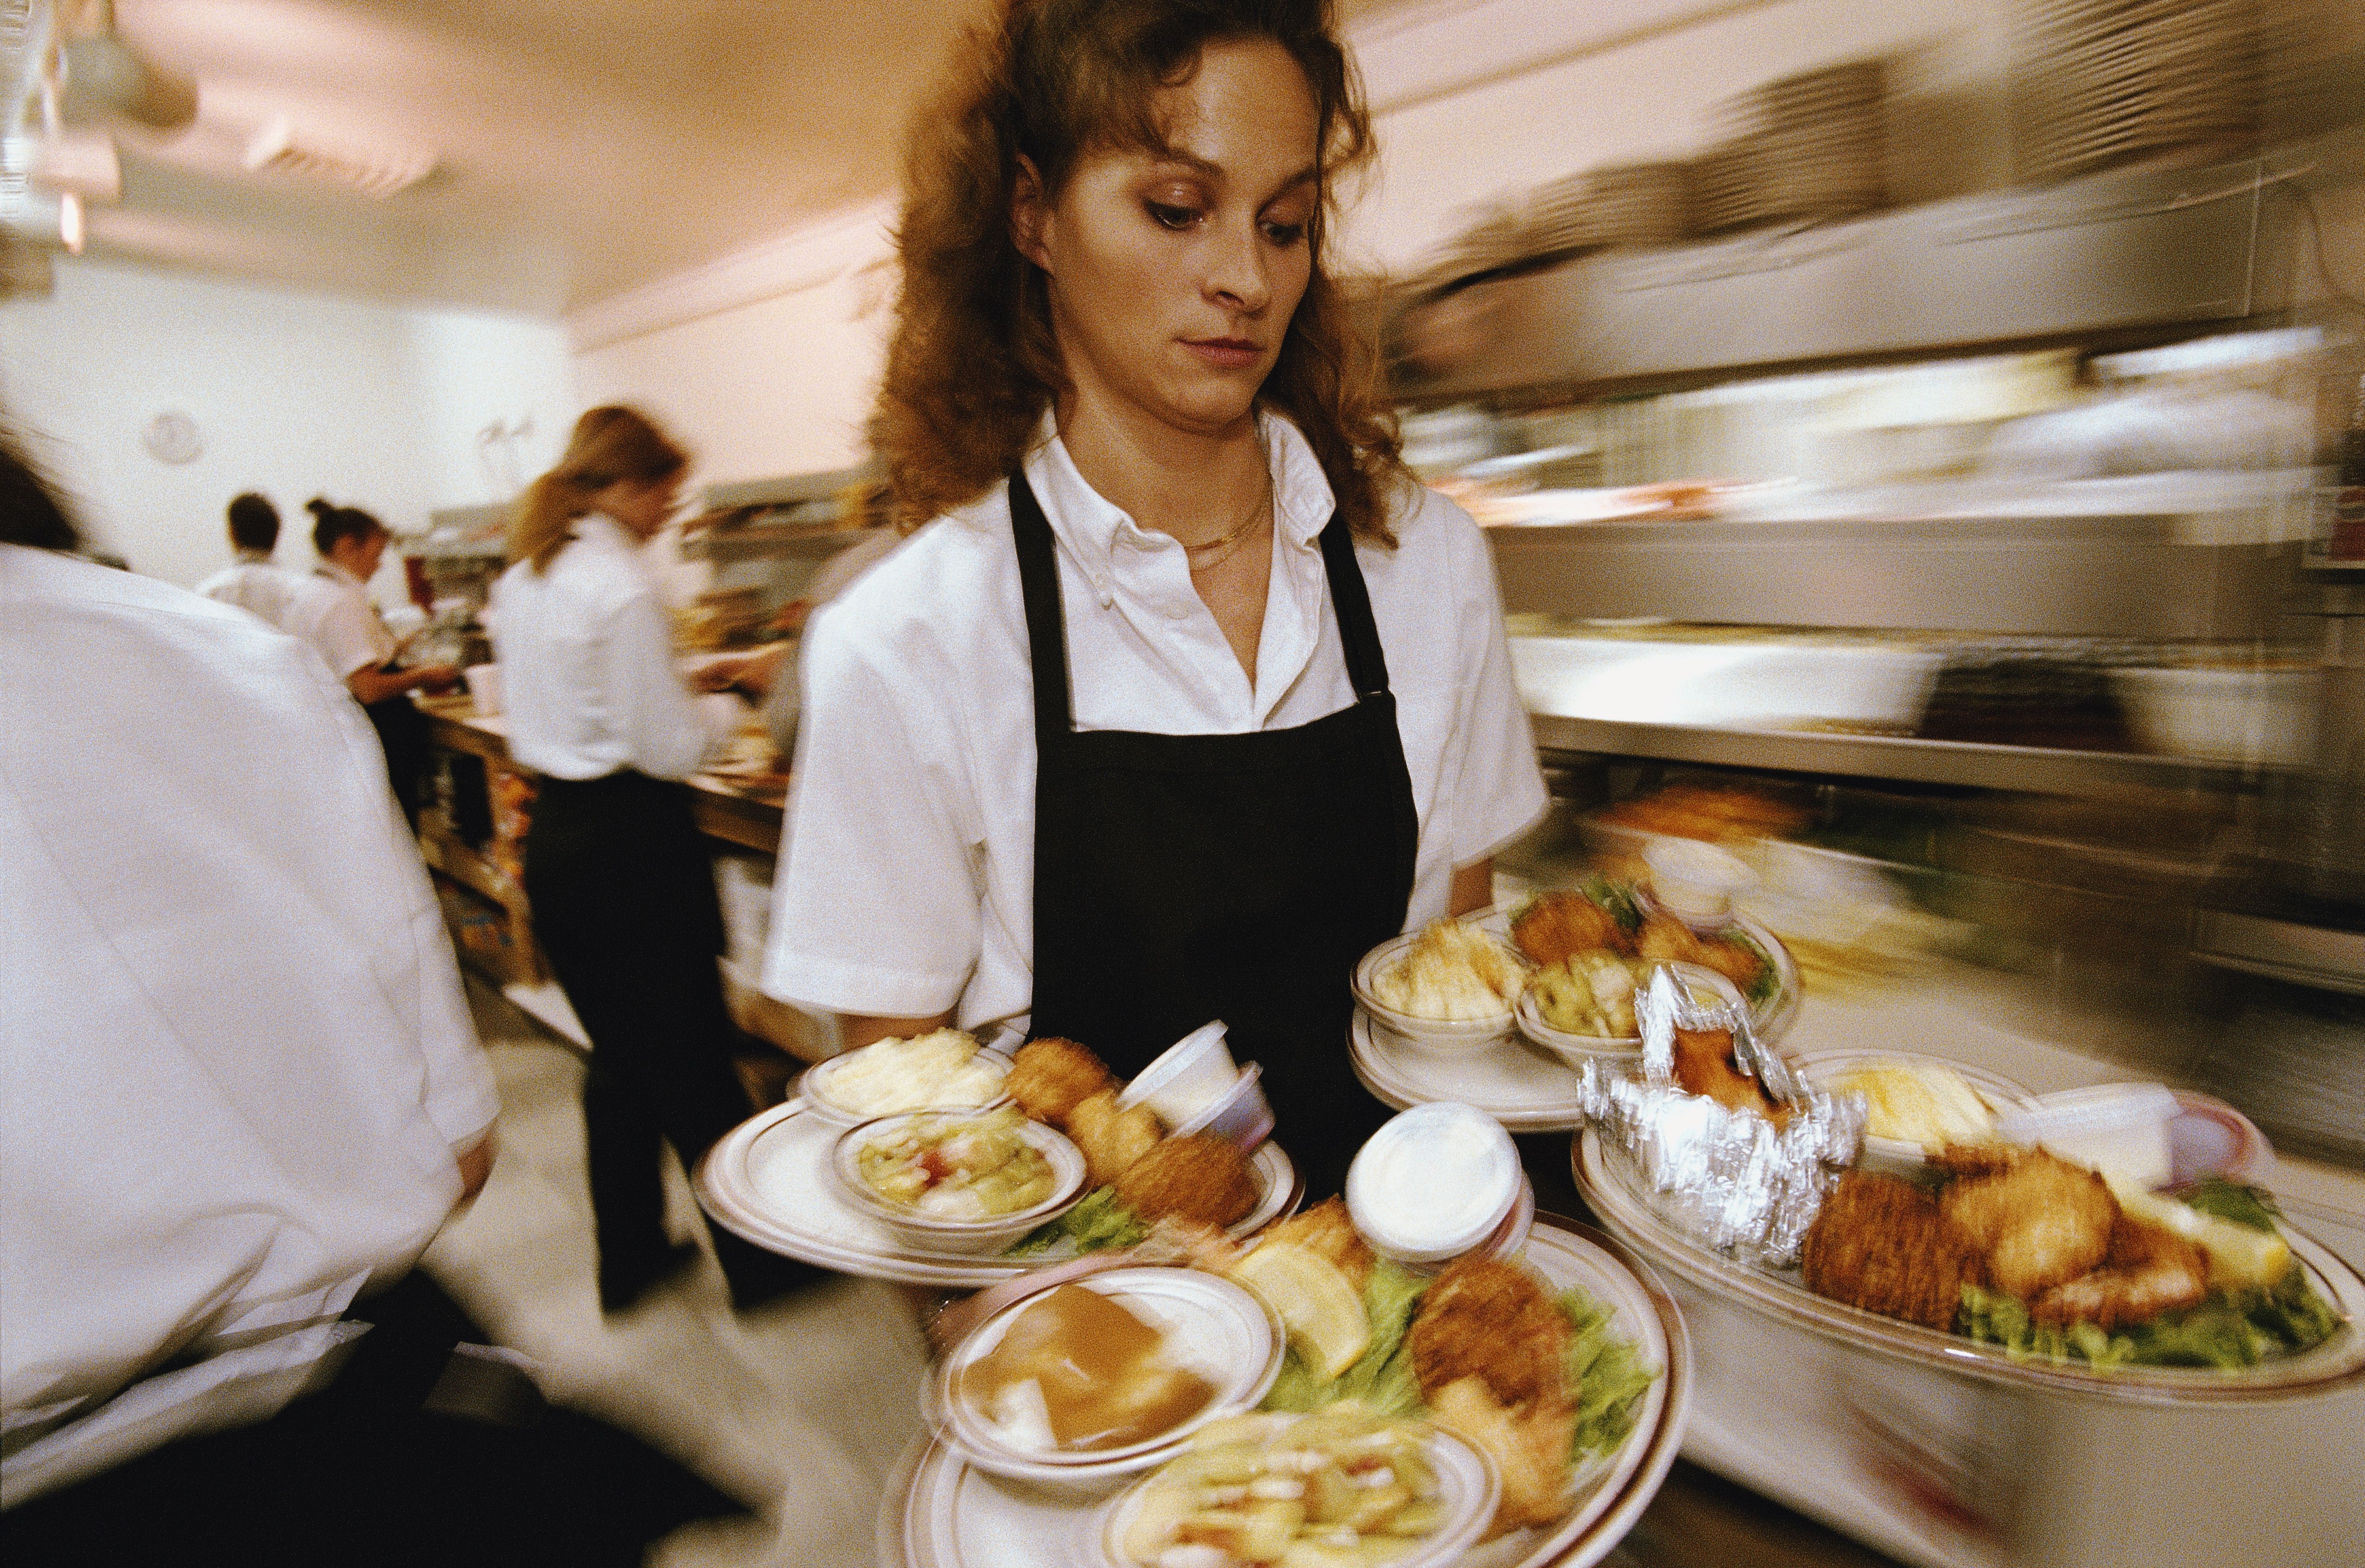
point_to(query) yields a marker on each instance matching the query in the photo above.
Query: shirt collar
(336, 573)
(254, 558)
(1092, 526)
(598, 525)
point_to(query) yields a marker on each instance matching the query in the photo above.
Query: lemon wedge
(1319, 1305)
(2237, 1255)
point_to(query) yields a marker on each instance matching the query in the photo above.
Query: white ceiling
(584, 146)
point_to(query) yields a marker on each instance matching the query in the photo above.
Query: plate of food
(1590, 946)
(2017, 1266)
(1544, 1396)
(783, 1180)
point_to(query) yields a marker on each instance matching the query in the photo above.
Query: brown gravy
(1103, 1384)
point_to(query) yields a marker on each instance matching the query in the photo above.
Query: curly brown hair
(974, 363)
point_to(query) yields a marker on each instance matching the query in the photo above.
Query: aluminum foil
(1728, 1178)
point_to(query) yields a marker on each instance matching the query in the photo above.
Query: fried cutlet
(1704, 1065)
(1328, 1232)
(2039, 1224)
(1111, 1139)
(2148, 1270)
(1050, 1077)
(1556, 925)
(1530, 1447)
(1491, 1320)
(1199, 1177)
(1884, 1244)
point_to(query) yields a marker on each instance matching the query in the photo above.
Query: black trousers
(624, 908)
(402, 734)
(362, 1473)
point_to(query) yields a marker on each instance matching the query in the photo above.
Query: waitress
(332, 611)
(623, 895)
(1186, 695)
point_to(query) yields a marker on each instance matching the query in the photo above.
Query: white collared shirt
(906, 884)
(254, 585)
(589, 684)
(331, 611)
(235, 1059)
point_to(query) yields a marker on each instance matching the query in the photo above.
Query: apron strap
(1047, 636)
(1351, 601)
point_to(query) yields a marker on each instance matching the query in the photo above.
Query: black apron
(1180, 878)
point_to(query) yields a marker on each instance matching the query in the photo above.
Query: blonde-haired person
(617, 873)
(1183, 695)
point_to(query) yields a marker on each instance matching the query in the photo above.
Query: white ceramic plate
(1213, 1328)
(939, 1511)
(769, 1179)
(1522, 1086)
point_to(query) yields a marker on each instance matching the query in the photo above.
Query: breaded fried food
(2039, 1224)
(1050, 1077)
(1491, 1320)
(1556, 925)
(2149, 1270)
(1663, 939)
(1111, 1139)
(1530, 1447)
(1202, 1178)
(1328, 1232)
(1736, 961)
(1704, 1065)
(1884, 1244)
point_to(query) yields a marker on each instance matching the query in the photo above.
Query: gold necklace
(1216, 551)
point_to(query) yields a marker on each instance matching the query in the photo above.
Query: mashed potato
(917, 1074)
(1455, 973)
(1920, 1102)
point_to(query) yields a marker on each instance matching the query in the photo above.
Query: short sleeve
(1497, 790)
(876, 908)
(346, 638)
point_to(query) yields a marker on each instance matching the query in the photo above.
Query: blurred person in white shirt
(253, 583)
(240, 1092)
(332, 611)
(617, 873)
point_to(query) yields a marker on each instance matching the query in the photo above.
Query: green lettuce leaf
(1382, 1378)
(2233, 1201)
(1607, 1371)
(2229, 1329)
(1098, 1223)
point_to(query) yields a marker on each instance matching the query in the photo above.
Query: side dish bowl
(966, 1237)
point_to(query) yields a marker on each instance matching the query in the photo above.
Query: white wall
(765, 363)
(295, 394)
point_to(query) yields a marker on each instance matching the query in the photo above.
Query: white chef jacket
(238, 1061)
(331, 611)
(589, 684)
(255, 585)
(906, 884)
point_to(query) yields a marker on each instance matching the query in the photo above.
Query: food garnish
(890, 1076)
(958, 1168)
(1316, 1303)
(1453, 972)
(1095, 1225)
(1341, 1486)
(1078, 1371)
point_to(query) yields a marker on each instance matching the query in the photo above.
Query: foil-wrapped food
(1727, 1143)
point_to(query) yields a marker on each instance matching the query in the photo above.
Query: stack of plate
(1641, 204)
(2109, 81)
(1818, 146)
(1561, 216)
(1725, 187)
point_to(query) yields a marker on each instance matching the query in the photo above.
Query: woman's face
(1173, 275)
(359, 554)
(643, 507)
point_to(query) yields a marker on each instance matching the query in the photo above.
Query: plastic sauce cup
(1432, 1183)
(1189, 1076)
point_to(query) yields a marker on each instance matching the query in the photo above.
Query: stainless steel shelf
(2035, 770)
